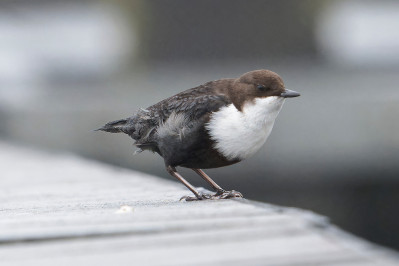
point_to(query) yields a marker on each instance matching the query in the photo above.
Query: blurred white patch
(359, 32)
(125, 209)
(55, 41)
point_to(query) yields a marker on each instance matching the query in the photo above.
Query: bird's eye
(261, 88)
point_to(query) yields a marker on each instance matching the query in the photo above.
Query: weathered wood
(63, 210)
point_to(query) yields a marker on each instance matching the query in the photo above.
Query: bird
(216, 124)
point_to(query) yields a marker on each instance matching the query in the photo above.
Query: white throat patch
(241, 134)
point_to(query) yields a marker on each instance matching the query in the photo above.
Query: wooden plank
(63, 210)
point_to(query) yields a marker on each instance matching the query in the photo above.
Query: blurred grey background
(67, 67)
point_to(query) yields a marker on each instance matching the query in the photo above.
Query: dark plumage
(175, 128)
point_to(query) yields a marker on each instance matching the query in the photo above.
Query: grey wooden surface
(64, 210)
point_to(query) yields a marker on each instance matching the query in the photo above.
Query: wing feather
(196, 104)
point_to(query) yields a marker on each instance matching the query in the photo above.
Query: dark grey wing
(193, 106)
(196, 104)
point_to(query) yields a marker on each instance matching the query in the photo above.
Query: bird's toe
(201, 196)
(228, 195)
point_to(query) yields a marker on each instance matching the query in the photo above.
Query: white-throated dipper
(216, 124)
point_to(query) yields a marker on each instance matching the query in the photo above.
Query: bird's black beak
(289, 94)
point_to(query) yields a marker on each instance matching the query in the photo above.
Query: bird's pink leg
(220, 192)
(198, 195)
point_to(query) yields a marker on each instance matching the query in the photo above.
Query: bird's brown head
(258, 84)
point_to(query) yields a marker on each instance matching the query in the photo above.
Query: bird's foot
(222, 194)
(201, 196)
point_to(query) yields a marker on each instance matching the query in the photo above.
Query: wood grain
(65, 210)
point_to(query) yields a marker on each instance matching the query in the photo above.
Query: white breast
(241, 134)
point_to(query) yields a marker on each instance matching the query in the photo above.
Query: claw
(202, 196)
(227, 194)
(222, 194)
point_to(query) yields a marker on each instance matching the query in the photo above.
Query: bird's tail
(114, 126)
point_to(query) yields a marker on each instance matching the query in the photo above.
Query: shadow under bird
(216, 124)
